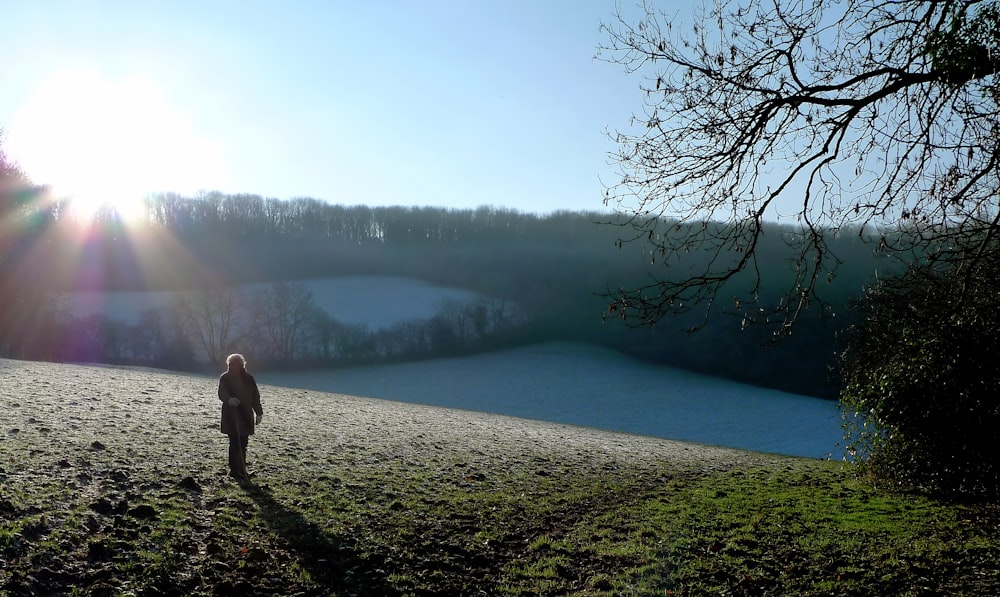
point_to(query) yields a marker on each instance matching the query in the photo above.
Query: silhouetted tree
(457, 315)
(866, 114)
(25, 214)
(217, 319)
(444, 340)
(286, 313)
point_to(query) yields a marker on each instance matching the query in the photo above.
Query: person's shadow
(331, 561)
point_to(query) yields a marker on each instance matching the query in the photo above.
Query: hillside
(536, 279)
(112, 481)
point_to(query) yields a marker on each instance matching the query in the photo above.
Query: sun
(106, 144)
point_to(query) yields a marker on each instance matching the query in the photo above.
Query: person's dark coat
(239, 420)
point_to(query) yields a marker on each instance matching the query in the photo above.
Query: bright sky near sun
(449, 103)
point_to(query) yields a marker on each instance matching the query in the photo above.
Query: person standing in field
(240, 401)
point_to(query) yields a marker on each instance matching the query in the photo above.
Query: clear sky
(451, 103)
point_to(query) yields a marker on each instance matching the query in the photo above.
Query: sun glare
(106, 144)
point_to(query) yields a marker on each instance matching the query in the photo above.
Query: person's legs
(237, 455)
(244, 440)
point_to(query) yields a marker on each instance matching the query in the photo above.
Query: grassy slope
(112, 482)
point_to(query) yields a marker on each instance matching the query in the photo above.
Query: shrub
(921, 403)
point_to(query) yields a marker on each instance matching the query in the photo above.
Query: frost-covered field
(377, 301)
(593, 387)
(558, 382)
(113, 481)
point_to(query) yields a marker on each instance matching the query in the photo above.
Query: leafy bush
(921, 398)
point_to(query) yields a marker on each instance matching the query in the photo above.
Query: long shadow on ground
(331, 561)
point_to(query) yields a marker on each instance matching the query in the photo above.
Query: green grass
(97, 499)
(802, 528)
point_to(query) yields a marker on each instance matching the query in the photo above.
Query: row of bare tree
(554, 268)
(277, 325)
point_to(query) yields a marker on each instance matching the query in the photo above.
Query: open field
(113, 482)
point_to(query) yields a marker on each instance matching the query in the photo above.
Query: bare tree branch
(878, 115)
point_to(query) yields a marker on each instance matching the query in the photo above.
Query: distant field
(376, 301)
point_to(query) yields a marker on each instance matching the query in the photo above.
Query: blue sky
(438, 103)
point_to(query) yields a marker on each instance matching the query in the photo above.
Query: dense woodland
(546, 278)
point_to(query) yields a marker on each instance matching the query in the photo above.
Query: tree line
(280, 321)
(543, 278)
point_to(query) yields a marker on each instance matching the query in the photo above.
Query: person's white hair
(236, 357)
